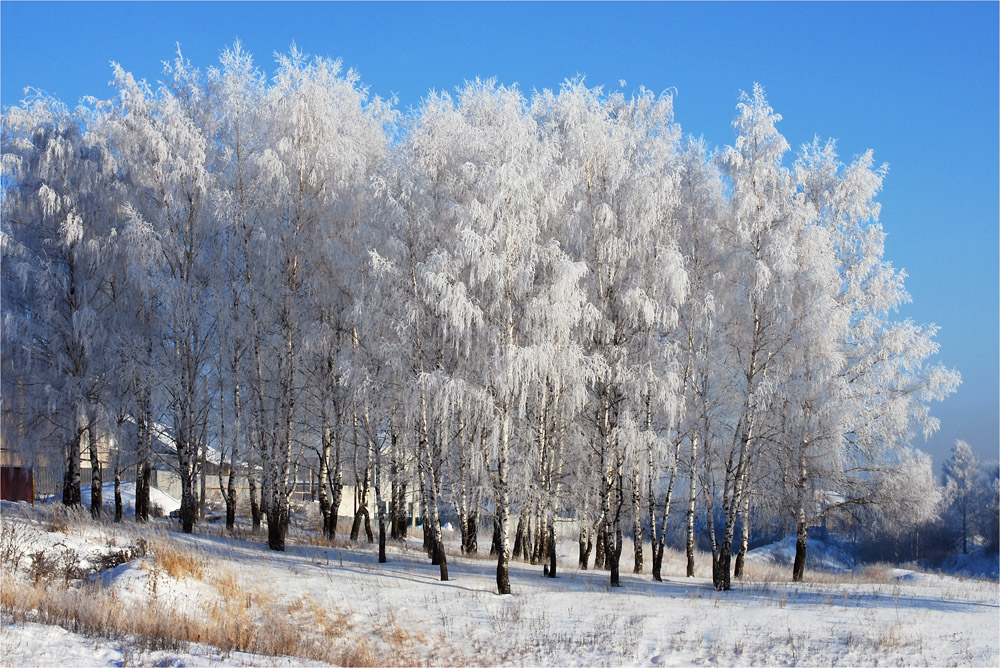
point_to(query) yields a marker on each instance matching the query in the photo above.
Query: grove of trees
(525, 307)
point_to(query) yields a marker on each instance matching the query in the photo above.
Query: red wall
(17, 484)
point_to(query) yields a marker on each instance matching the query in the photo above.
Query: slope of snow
(575, 619)
(820, 554)
(30, 644)
(166, 503)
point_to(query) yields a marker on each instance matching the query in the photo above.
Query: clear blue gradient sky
(917, 82)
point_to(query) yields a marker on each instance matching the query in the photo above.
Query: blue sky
(917, 82)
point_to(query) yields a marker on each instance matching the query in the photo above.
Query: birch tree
(60, 197)
(961, 471)
(163, 155)
(875, 398)
(615, 150)
(324, 141)
(761, 234)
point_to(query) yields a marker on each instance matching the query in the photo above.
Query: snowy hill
(820, 555)
(319, 604)
(157, 499)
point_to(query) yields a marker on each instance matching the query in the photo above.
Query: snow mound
(979, 563)
(820, 554)
(157, 499)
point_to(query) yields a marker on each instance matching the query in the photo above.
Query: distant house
(17, 483)
(47, 465)
(46, 471)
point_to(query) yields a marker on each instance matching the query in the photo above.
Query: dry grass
(236, 622)
(176, 561)
(57, 518)
(16, 541)
(239, 617)
(756, 572)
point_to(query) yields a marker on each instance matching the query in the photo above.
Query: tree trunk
(231, 498)
(434, 519)
(526, 543)
(379, 505)
(723, 581)
(503, 507)
(744, 538)
(255, 511)
(519, 537)
(96, 474)
(472, 532)
(230, 494)
(657, 564)
(425, 505)
(585, 542)
(613, 550)
(710, 525)
(732, 500)
(277, 526)
(362, 519)
(538, 547)
(586, 547)
(399, 510)
(323, 482)
(801, 539)
(636, 518)
(801, 522)
(189, 505)
(655, 541)
(615, 569)
(142, 491)
(692, 499)
(495, 543)
(600, 547)
(356, 524)
(667, 502)
(552, 548)
(337, 491)
(71, 477)
(118, 494)
(381, 537)
(202, 486)
(144, 434)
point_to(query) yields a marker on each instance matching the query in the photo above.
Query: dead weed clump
(764, 572)
(57, 518)
(92, 610)
(177, 561)
(16, 540)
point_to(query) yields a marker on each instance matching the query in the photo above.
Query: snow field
(337, 604)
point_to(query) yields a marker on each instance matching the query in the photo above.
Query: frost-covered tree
(59, 210)
(762, 261)
(525, 287)
(323, 142)
(878, 396)
(411, 262)
(699, 214)
(162, 152)
(618, 155)
(235, 91)
(520, 308)
(961, 472)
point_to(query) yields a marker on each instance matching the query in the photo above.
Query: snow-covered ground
(400, 613)
(157, 499)
(819, 555)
